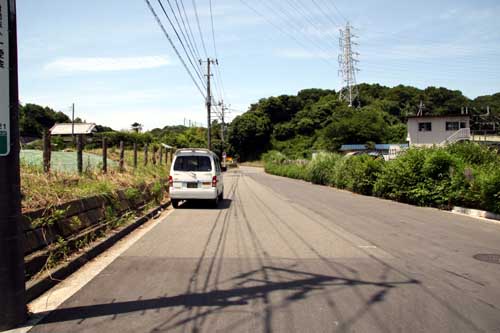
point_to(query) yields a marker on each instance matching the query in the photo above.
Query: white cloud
(102, 64)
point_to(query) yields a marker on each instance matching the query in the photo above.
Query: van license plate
(192, 185)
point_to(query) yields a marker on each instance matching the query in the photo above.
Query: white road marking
(53, 298)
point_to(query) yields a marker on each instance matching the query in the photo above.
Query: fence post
(135, 155)
(104, 155)
(46, 151)
(145, 155)
(122, 156)
(79, 153)
(153, 158)
(171, 156)
(161, 155)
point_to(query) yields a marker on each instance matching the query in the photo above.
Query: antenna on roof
(421, 108)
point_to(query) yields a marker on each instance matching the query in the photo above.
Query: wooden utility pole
(161, 155)
(145, 155)
(12, 285)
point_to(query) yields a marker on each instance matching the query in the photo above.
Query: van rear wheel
(175, 203)
(215, 202)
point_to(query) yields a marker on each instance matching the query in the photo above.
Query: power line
(199, 28)
(287, 33)
(299, 26)
(187, 31)
(196, 69)
(218, 77)
(174, 47)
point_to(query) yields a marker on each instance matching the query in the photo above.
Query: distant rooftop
(440, 116)
(382, 146)
(66, 129)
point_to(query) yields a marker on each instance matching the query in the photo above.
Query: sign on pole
(4, 81)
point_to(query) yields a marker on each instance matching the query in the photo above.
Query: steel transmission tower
(348, 62)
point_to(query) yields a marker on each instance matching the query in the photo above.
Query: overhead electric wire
(174, 47)
(289, 17)
(334, 8)
(309, 17)
(218, 77)
(199, 28)
(287, 33)
(187, 29)
(191, 32)
(190, 59)
(325, 14)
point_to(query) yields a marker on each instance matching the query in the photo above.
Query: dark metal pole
(12, 287)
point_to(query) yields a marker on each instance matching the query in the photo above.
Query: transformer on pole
(347, 65)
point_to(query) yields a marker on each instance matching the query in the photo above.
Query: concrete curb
(37, 287)
(477, 213)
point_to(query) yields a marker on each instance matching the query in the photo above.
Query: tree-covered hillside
(316, 119)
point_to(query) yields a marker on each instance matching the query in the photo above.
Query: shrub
(322, 167)
(358, 173)
(400, 176)
(489, 188)
(473, 153)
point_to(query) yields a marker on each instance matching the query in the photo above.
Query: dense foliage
(314, 119)
(463, 174)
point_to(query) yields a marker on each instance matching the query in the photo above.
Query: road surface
(287, 256)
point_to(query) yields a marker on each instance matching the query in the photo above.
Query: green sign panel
(4, 80)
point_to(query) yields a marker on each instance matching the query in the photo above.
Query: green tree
(249, 134)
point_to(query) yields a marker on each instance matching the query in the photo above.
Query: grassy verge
(45, 190)
(464, 174)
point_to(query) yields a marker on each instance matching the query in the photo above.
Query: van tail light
(214, 181)
(170, 181)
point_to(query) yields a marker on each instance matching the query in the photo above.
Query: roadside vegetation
(463, 174)
(40, 189)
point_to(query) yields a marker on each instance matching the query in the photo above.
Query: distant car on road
(196, 174)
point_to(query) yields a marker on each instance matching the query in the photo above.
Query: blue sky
(111, 59)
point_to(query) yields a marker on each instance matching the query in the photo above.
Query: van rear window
(192, 163)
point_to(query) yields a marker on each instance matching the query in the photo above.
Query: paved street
(287, 256)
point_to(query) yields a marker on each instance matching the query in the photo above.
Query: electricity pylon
(347, 63)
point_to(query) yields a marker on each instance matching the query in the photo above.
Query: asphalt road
(287, 256)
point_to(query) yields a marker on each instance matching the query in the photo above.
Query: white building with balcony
(438, 130)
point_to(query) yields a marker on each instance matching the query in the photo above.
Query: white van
(195, 174)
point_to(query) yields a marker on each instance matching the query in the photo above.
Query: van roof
(194, 150)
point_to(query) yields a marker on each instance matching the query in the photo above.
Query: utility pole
(347, 63)
(12, 286)
(209, 100)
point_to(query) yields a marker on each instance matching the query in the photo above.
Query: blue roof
(381, 146)
(353, 147)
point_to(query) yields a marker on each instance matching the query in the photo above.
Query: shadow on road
(249, 287)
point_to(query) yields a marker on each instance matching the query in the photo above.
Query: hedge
(463, 174)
